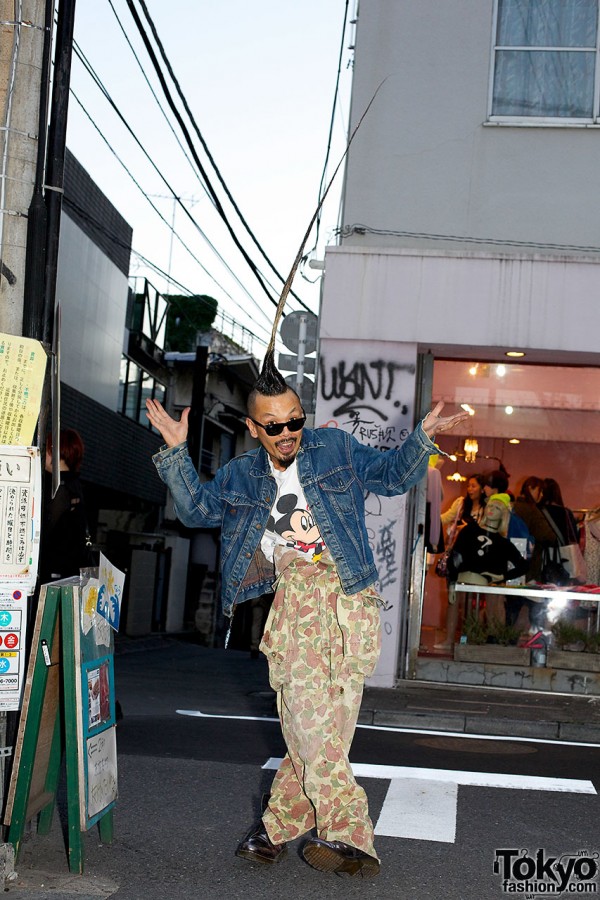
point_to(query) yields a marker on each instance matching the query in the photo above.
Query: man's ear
(252, 427)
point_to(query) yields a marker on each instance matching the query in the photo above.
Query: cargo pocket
(275, 643)
(359, 620)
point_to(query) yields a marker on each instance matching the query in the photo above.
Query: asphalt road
(189, 788)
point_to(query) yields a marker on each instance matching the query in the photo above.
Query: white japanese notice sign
(20, 500)
(22, 368)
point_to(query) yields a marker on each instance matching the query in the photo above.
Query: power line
(206, 149)
(110, 235)
(331, 124)
(194, 124)
(158, 103)
(357, 228)
(187, 136)
(87, 65)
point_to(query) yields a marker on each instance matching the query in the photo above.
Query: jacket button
(235, 583)
(258, 526)
(248, 555)
(234, 512)
(268, 499)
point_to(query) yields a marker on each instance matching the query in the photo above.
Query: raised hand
(433, 422)
(173, 432)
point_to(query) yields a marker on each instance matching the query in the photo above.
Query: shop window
(527, 421)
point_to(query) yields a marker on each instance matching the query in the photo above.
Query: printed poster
(110, 592)
(13, 621)
(22, 370)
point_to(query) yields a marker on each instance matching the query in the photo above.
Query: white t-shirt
(291, 525)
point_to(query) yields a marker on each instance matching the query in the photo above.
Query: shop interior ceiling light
(471, 448)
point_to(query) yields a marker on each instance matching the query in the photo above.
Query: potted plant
(574, 648)
(491, 643)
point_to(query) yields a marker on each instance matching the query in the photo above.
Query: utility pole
(22, 29)
(31, 185)
(24, 52)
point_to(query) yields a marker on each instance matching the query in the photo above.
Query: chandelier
(456, 476)
(471, 448)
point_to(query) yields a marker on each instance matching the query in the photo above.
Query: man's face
(282, 448)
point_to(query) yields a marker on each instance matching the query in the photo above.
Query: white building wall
(425, 162)
(453, 303)
(92, 293)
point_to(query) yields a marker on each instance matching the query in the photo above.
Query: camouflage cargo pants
(320, 644)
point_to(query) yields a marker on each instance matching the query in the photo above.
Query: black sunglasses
(275, 428)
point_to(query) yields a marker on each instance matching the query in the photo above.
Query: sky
(260, 80)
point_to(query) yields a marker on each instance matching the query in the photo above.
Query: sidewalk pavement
(230, 681)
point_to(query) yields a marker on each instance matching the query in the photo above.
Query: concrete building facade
(469, 231)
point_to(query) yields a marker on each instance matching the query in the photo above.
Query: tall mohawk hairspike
(271, 381)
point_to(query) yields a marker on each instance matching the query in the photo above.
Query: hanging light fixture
(456, 476)
(471, 448)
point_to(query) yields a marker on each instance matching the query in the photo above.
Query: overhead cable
(107, 96)
(110, 235)
(155, 208)
(195, 127)
(331, 126)
(218, 205)
(159, 104)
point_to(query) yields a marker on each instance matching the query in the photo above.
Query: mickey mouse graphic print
(291, 525)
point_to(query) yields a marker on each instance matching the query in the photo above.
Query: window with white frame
(546, 61)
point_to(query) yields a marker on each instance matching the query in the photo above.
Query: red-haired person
(63, 549)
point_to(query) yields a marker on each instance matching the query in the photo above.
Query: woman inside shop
(527, 508)
(553, 506)
(467, 508)
(463, 510)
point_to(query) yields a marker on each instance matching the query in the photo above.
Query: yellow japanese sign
(22, 369)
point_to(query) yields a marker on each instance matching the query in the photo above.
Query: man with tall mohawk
(292, 520)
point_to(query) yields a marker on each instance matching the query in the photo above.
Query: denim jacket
(335, 471)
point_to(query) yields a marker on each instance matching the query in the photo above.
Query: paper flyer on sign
(20, 500)
(22, 370)
(110, 592)
(101, 765)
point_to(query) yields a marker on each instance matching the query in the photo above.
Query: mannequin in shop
(434, 537)
(482, 554)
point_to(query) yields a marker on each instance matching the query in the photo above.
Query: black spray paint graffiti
(8, 274)
(382, 437)
(382, 543)
(372, 382)
(386, 555)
